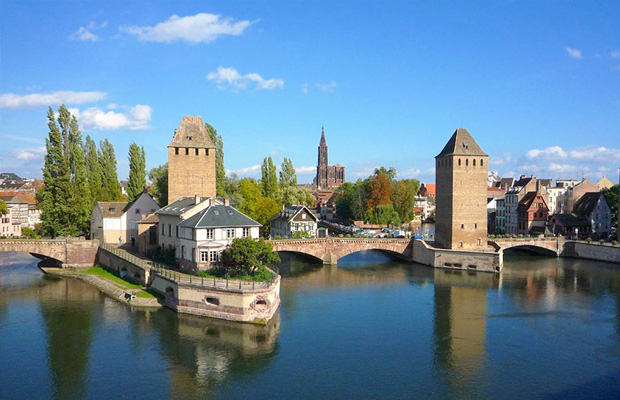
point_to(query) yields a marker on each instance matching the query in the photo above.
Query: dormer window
(189, 138)
(137, 211)
(230, 212)
(112, 209)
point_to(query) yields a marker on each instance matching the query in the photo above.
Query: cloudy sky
(536, 83)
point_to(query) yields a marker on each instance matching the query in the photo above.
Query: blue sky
(536, 83)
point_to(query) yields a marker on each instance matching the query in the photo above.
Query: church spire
(323, 142)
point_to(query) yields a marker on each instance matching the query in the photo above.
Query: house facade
(117, 221)
(19, 207)
(9, 224)
(532, 214)
(593, 208)
(294, 221)
(205, 235)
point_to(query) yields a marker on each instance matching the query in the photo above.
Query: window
(209, 234)
(193, 254)
(474, 162)
(459, 162)
(177, 230)
(462, 226)
(475, 226)
(230, 233)
(163, 230)
(204, 256)
(176, 151)
(303, 216)
(213, 257)
(137, 211)
(206, 152)
(467, 162)
(196, 151)
(169, 229)
(482, 165)
(246, 232)
(182, 251)
(186, 151)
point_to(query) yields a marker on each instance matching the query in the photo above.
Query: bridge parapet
(554, 244)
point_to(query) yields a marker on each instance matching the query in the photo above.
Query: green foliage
(29, 233)
(66, 199)
(159, 184)
(403, 197)
(269, 179)
(250, 192)
(611, 195)
(389, 172)
(248, 256)
(300, 235)
(383, 215)
(4, 210)
(289, 195)
(265, 210)
(137, 171)
(220, 172)
(288, 177)
(164, 256)
(93, 168)
(111, 187)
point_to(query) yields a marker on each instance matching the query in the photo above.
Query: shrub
(348, 235)
(601, 241)
(492, 236)
(520, 236)
(341, 235)
(278, 237)
(589, 240)
(615, 242)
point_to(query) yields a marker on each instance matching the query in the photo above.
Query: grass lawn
(109, 276)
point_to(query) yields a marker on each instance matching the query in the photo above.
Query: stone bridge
(547, 245)
(330, 250)
(69, 252)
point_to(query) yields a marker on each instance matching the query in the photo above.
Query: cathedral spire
(323, 142)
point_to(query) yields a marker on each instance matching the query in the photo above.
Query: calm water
(545, 328)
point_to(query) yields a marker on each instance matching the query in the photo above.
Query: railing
(188, 279)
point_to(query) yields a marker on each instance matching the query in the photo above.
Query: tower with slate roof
(461, 194)
(191, 161)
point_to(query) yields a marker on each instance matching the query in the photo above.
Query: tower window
(466, 162)
(459, 162)
(206, 152)
(462, 226)
(196, 151)
(474, 162)
(176, 151)
(481, 162)
(186, 151)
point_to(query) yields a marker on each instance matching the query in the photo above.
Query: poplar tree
(269, 179)
(288, 177)
(111, 187)
(137, 171)
(93, 168)
(220, 172)
(159, 184)
(65, 200)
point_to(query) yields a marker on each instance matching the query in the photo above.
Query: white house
(116, 221)
(294, 221)
(206, 234)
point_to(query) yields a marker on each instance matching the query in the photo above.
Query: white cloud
(505, 159)
(326, 87)
(615, 54)
(136, 119)
(595, 154)
(554, 167)
(11, 100)
(305, 170)
(245, 172)
(85, 34)
(574, 53)
(304, 88)
(233, 78)
(199, 28)
(553, 152)
(29, 153)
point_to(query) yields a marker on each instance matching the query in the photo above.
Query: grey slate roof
(112, 209)
(192, 133)
(587, 203)
(179, 206)
(463, 144)
(219, 216)
(290, 212)
(569, 220)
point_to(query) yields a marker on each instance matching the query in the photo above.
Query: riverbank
(122, 295)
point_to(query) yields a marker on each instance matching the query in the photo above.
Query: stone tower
(191, 161)
(461, 178)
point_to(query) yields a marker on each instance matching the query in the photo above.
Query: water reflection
(203, 352)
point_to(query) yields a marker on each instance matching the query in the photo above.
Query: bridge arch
(391, 253)
(534, 248)
(313, 257)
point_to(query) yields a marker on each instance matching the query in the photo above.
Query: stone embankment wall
(124, 263)
(591, 251)
(456, 259)
(81, 253)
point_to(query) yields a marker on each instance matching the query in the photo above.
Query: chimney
(197, 199)
(226, 201)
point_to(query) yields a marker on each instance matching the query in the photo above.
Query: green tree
(384, 215)
(288, 195)
(111, 187)
(288, 177)
(265, 210)
(248, 257)
(4, 210)
(269, 179)
(159, 184)
(403, 197)
(611, 195)
(93, 168)
(250, 192)
(65, 200)
(137, 171)
(220, 171)
(231, 190)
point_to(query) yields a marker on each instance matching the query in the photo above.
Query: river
(370, 328)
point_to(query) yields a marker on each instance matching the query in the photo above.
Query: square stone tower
(461, 178)
(191, 161)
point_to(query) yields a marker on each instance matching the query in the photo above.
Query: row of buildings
(19, 194)
(533, 206)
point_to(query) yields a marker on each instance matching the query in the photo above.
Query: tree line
(378, 199)
(77, 174)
